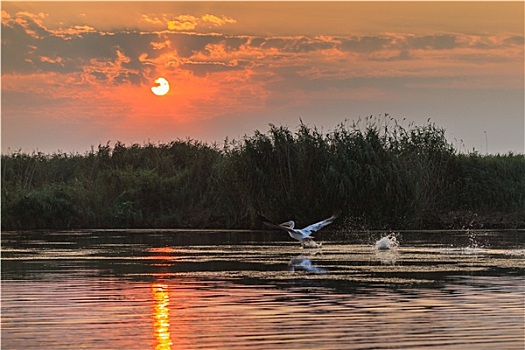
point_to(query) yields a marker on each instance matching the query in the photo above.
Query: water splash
(311, 244)
(473, 247)
(388, 242)
(473, 241)
(386, 249)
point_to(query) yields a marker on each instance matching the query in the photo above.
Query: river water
(174, 289)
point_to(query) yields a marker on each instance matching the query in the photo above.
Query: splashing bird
(387, 242)
(303, 235)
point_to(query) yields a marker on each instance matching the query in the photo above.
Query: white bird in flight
(302, 235)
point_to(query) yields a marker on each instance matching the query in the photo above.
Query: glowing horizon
(75, 77)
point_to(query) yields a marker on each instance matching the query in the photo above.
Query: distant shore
(380, 176)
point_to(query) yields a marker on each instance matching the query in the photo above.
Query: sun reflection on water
(161, 316)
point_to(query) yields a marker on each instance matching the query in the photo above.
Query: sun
(161, 88)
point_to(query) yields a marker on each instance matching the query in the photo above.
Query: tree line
(381, 174)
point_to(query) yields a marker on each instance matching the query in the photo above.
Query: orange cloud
(218, 21)
(152, 19)
(183, 22)
(78, 76)
(32, 23)
(69, 33)
(189, 22)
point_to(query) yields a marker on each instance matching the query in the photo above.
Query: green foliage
(387, 175)
(492, 182)
(47, 207)
(380, 173)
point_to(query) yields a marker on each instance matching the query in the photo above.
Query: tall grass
(380, 173)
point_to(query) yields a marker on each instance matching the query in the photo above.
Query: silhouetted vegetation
(381, 174)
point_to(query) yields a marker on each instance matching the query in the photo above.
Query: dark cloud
(275, 43)
(51, 51)
(432, 42)
(203, 68)
(365, 43)
(392, 55)
(302, 45)
(291, 44)
(188, 44)
(17, 48)
(256, 42)
(128, 56)
(515, 40)
(233, 43)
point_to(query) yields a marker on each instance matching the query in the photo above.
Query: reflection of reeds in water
(161, 313)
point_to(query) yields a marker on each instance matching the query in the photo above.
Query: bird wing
(272, 225)
(319, 225)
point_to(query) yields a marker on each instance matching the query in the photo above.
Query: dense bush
(492, 182)
(381, 174)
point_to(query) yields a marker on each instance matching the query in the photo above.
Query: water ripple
(125, 294)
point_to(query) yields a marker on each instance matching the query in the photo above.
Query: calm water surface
(259, 290)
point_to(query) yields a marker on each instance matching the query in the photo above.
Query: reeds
(386, 175)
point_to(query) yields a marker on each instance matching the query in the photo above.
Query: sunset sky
(79, 74)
